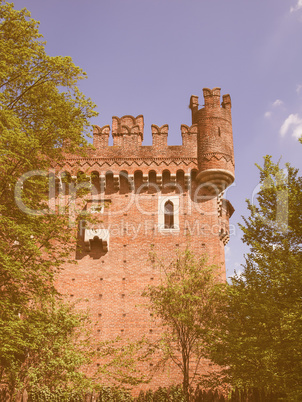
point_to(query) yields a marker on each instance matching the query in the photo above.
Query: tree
(58, 348)
(121, 362)
(43, 115)
(185, 302)
(261, 337)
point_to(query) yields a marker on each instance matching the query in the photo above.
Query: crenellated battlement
(189, 135)
(211, 104)
(208, 142)
(226, 102)
(127, 133)
(101, 136)
(211, 97)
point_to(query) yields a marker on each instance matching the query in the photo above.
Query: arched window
(193, 175)
(109, 189)
(180, 181)
(152, 182)
(166, 186)
(95, 181)
(166, 178)
(66, 180)
(81, 177)
(58, 185)
(138, 181)
(152, 177)
(124, 182)
(194, 184)
(169, 215)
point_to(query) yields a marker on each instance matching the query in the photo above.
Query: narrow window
(138, 181)
(124, 182)
(153, 188)
(166, 177)
(180, 180)
(169, 215)
(66, 180)
(95, 181)
(109, 183)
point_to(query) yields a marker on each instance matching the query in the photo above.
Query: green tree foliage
(174, 393)
(261, 338)
(41, 109)
(185, 301)
(121, 361)
(58, 348)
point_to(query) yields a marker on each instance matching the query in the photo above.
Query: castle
(148, 196)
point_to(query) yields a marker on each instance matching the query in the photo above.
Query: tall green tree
(185, 303)
(42, 116)
(261, 337)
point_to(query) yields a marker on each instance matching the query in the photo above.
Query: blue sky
(149, 56)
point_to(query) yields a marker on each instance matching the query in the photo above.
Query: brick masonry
(131, 184)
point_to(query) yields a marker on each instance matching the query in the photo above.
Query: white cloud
(278, 102)
(238, 269)
(267, 114)
(292, 124)
(297, 6)
(227, 251)
(299, 88)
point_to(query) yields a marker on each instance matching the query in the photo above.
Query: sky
(149, 56)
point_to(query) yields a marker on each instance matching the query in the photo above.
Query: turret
(215, 140)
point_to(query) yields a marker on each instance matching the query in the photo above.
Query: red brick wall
(111, 283)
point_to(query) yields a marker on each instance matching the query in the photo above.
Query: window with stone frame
(169, 215)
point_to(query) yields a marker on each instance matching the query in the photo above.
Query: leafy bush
(171, 394)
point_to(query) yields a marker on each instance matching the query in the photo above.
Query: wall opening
(124, 182)
(138, 181)
(169, 215)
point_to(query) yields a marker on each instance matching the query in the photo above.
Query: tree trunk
(25, 396)
(185, 383)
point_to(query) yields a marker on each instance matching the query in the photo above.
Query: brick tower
(160, 197)
(215, 140)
